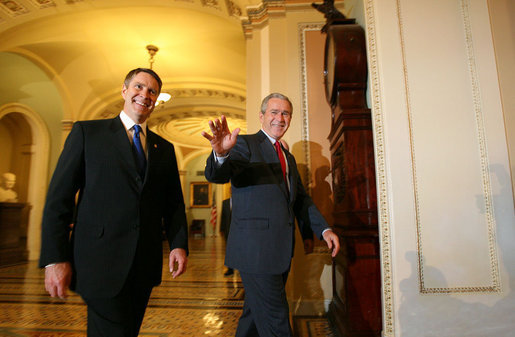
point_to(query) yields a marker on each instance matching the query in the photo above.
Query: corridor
(202, 302)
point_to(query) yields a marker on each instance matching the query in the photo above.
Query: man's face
(140, 97)
(276, 119)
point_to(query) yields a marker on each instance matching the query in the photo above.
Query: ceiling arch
(88, 46)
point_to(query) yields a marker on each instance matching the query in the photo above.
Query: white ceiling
(87, 46)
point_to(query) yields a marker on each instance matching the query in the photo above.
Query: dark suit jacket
(225, 219)
(118, 219)
(261, 236)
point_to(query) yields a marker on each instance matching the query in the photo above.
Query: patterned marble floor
(202, 302)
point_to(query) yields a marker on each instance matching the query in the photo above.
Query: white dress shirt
(129, 127)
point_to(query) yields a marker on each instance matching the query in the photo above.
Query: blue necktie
(139, 153)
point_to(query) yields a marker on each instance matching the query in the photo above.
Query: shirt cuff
(220, 160)
(325, 230)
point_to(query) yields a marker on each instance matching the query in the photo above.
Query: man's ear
(124, 90)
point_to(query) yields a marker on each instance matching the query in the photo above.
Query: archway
(31, 161)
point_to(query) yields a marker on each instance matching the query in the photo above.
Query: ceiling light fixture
(152, 51)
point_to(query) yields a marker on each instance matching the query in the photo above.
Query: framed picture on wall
(200, 194)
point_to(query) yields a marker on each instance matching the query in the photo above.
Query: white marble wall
(445, 197)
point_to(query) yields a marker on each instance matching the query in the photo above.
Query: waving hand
(222, 140)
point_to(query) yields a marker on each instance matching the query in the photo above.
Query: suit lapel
(271, 157)
(152, 150)
(123, 145)
(292, 174)
(122, 142)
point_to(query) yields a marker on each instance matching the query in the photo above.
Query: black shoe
(229, 272)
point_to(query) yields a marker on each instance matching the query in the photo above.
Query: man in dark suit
(128, 189)
(225, 225)
(267, 195)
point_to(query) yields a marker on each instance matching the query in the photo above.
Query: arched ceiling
(87, 46)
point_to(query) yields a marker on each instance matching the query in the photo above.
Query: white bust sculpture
(6, 188)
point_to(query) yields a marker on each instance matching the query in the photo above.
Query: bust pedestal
(13, 232)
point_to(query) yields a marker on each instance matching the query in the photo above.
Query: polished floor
(201, 302)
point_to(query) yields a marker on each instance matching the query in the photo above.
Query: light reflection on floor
(202, 302)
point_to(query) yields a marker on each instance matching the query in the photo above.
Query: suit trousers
(122, 315)
(265, 310)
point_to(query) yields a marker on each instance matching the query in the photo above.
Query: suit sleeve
(237, 161)
(175, 223)
(217, 173)
(59, 208)
(307, 214)
(305, 229)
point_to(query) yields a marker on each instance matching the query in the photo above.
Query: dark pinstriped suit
(261, 236)
(119, 218)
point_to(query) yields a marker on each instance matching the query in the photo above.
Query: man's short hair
(136, 71)
(264, 104)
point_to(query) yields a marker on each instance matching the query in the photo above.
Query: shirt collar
(129, 123)
(272, 139)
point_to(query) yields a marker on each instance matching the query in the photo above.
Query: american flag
(212, 221)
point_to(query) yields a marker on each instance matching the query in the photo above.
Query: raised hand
(222, 140)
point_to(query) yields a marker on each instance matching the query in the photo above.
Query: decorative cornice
(230, 99)
(13, 8)
(205, 93)
(233, 9)
(258, 15)
(16, 9)
(210, 3)
(43, 3)
(182, 115)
